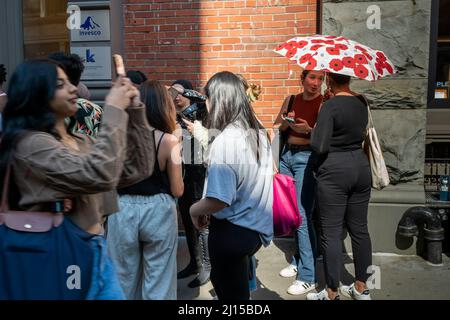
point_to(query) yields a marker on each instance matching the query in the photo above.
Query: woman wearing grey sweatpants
(143, 236)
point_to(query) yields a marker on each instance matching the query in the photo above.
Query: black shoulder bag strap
(284, 134)
(364, 100)
(291, 103)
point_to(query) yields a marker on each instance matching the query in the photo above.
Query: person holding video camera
(192, 109)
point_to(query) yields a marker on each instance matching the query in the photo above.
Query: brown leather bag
(26, 221)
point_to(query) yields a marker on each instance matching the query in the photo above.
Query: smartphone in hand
(289, 119)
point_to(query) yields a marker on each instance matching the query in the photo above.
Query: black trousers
(343, 193)
(194, 179)
(230, 249)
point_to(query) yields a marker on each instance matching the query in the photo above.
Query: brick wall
(193, 39)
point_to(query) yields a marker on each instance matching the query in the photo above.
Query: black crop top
(157, 183)
(341, 125)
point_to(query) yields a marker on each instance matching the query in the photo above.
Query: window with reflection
(439, 89)
(44, 27)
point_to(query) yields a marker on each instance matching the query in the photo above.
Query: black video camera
(190, 114)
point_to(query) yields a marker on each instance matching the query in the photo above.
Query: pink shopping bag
(285, 207)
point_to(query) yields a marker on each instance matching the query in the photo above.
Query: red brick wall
(193, 39)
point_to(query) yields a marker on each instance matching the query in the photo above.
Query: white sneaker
(289, 271)
(351, 292)
(322, 295)
(300, 287)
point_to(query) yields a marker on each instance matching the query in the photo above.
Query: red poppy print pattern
(349, 62)
(316, 46)
(312, 63)
(336, 65)
(337, 54)
(333, 51)
(361, 72)
(361, 59)
(305, 58)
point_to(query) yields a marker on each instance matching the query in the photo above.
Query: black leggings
(230, 247)
(343, 193)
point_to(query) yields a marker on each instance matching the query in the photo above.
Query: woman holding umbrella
(343, 176)
(343, 187)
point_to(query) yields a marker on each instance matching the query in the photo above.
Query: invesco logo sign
(88, 28)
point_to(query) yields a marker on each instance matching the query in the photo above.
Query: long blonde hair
(252, 90)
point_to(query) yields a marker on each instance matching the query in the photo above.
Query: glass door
(44, 27)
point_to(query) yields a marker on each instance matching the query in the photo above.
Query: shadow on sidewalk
(287, 246)
(262, 292)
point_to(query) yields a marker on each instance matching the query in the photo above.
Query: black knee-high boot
(192, 239)
(205, 270)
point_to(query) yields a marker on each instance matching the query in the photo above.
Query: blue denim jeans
(252, 284)
(299, 165)
(105, 282)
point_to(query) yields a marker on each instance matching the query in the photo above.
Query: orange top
(307, 110)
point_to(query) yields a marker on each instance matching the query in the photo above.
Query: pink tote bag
(286, 217)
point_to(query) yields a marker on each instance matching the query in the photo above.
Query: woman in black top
(143, 236)
(343, 187)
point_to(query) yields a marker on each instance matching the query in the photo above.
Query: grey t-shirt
(237, 179)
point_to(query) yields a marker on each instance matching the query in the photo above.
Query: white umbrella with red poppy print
(337, 54)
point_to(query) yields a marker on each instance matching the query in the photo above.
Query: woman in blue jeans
(296, 119)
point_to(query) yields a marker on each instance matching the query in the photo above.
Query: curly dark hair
(2, 74)
(72, 65)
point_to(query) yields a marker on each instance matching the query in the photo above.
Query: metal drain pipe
(432, 230)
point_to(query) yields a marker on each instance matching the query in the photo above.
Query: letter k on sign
(89, 56)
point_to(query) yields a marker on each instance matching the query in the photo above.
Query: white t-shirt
(237, 179)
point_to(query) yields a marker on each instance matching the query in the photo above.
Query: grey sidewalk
(402, 277)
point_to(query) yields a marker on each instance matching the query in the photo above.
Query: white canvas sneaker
(300, 287)
(289, 271)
